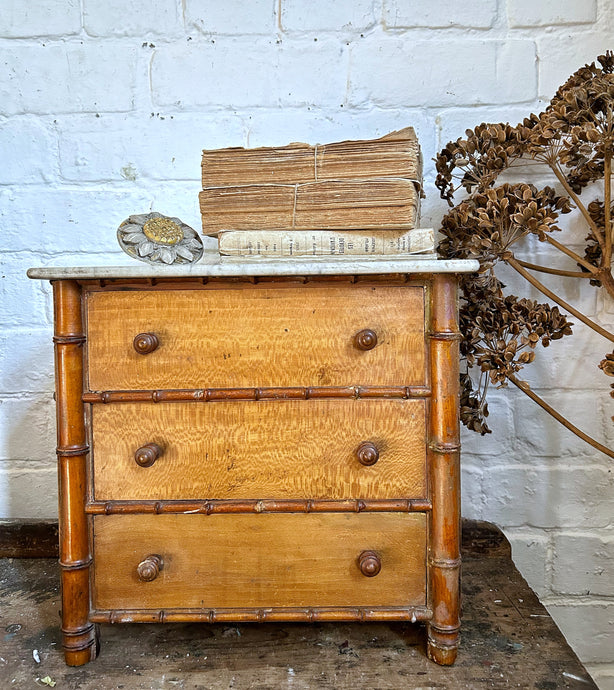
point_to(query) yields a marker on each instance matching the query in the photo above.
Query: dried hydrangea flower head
(158, 239)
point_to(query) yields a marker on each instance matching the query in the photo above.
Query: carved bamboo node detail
(71, 451)
(445, 335)
(444, 630)
(445, 563)
(76, 339)
(71, 646)
(439, 447)
(81, 564)
(77, 632)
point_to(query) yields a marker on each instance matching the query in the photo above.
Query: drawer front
(257, 337)
(264, 560)
(280, 449)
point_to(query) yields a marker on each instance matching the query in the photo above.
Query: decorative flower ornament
(158, 239)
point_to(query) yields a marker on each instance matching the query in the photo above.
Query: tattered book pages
(341, 204)
(350, 185)
(395, 155)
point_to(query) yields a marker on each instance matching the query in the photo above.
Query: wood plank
(266, 560)
(28, 538)
(279, 337)
(269, 449)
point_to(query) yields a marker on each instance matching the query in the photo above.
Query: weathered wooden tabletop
(508, 641)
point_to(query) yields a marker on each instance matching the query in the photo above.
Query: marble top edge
(258, 268)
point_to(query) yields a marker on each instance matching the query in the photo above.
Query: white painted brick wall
(407, 14)
(104, 107)
(528, 13)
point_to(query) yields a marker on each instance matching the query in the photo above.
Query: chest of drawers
(258, 448)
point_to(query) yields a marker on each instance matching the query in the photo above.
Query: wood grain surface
(269, 449)
(258, 337)
(259, 560)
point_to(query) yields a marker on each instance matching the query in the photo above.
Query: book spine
(305, 243)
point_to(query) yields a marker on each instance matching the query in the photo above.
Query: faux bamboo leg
(444, 474)
(78, 633)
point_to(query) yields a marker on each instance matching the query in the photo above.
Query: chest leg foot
(441, 647)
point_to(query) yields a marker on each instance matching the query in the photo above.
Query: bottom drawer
(259, 560)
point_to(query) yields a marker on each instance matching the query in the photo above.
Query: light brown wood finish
(273, 449)
(78, 633)
(270, 376)
(444, 466)
(282, 560)
(266, 337)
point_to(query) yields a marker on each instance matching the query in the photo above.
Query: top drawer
(256, 337)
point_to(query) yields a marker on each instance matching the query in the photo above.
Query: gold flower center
(163, 231)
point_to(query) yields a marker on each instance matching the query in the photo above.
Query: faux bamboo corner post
(444, 472)
(78, 633)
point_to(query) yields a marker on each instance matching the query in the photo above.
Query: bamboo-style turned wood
(267, 505)
(321, 614)
(444, 473)
(78, 632)
(296, 393)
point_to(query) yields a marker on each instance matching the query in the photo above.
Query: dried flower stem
(572, 255)
(559, 417)
(556, 169)
(553, 271)
(607, 174)
(565, 305)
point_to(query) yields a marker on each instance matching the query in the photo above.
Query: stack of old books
(351, 198)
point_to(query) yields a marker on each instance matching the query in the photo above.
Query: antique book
(318, 243)
(395, 155)
(392, 203)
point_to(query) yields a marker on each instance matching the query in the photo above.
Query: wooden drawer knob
(149, 568)
(146, 455)
(145, 343)
(367, 453)
(365, 339)
(369, 563)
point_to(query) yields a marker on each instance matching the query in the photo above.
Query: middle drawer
(268, 449)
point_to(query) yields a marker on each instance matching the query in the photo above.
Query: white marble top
(214, 266)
